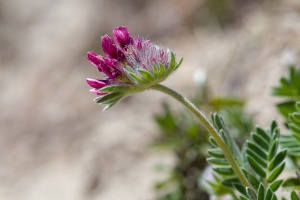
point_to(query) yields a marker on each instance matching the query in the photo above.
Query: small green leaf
(250, 192)
(294, 128)
(217, 153)
(172, 62)
(224, 170)
(273, 149)
(109, 106)
(109, 98)
(273, 126)
(275, 173)
(243, 198)
(277, 160)
(135, 78)
(298, 106)
(255, 183)
(256, 167)
(156, 71)
(179, 63)
(217, 121)
(256, 157)
(269, 194)
(217, 161)
(257, 149)
(263, 134)
(294, 196)
(261, 192)
(147, 76)
(240, 188)
(291, 182)
(286, 108)
(213, 142)
(295, 118)
(161, 70)
(274, 197)
(230, 181)
(260, 141)
(114, 88)
(276, 184)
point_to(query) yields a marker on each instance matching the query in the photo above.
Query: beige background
(55, 143)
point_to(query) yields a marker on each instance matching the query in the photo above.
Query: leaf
(276, 184)
(260, 141)
(217, 153)
(294, 196)
(256, 167)
(273, 197)
(224, 170)
(275, 173)
(277, 160)
(257, 149)
(114, 88)
(286, 108)
(240, 188)
(261, 192)
(217, 161)
(135, 78)
(261, 132)
(156, 71)
(107, 99)
(269, 194)
(273, 126)
(244, 198)
(230, 181)
(213, 142)
(178, 64)
(256, 157)
(250, 193)
(255, 183)
(147, 76)
(292, 182)
(273, 149)
(161, 70)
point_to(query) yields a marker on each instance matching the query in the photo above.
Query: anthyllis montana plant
(135, 64)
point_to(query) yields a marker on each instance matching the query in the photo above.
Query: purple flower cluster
(125, 54)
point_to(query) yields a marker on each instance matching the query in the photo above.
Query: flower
(132, 65)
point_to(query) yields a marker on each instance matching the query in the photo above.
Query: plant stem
(187, 103)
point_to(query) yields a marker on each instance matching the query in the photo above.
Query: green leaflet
(294, 196)
(263, 156)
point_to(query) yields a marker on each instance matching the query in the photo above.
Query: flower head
(132, 65)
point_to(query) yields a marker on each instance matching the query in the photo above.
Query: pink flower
(131, 65)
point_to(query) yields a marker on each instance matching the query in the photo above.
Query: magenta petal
(109, 47)
(93, 58)
(94, 91)
(122, 36)
(94, 83)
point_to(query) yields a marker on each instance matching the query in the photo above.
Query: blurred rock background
(55, 143)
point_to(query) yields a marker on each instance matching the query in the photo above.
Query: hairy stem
(213, 132)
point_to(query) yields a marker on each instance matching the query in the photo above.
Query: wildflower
(132, 65)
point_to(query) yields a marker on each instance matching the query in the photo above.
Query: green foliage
(290, 108)
(289, 88)
(265, 194)
(225, 180)
(265, 159)
(182, 134)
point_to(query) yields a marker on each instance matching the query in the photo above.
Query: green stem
(187, 103)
